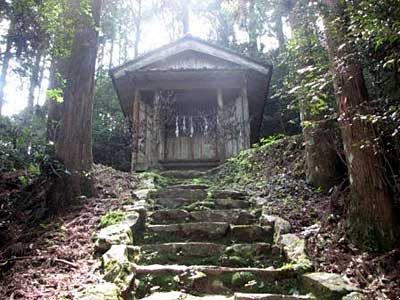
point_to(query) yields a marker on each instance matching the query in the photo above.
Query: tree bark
(4, 69)
(34, 80)
(138, 24)
(58, 73)
(186, 16)
(74, 146)
(372, 219)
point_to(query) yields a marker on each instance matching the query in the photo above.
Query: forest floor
(53, 259)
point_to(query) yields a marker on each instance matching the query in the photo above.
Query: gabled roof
(190, 43)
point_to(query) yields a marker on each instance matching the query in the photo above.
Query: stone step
(233, 216)
(227, 203)
(174, 203)
(237, 296)
(251, 233)
(183, 174)
(180, 296)
(243, 296)
(191, 194)
(207, 232)
(214, 280)
(194, 204)
(190, 186)
(237, 255)
(228, 194)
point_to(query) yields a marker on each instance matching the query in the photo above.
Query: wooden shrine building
(191, 104)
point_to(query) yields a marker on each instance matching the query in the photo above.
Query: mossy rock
(327, 286)
(100, 291)
(240, 279)
(295, 251)
(118, 234)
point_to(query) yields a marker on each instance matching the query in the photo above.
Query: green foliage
(55, 95)
(111, 218)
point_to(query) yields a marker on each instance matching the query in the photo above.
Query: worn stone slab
(295, 251)
(251, 233)
(193, 249)
(190, 186)
(270, 274)
(327, 286)
(113, 235)
(181, 296)
(232, 216)
(197, 195)
(228, 194)
(170, 216)
(249, 251)
(280, 225)
(188, 231)
(143, 194)
(100, 291)
(244, 296)
(173, 203)
(355, 296)
(116, 266)
(183, 174)
(231, 203)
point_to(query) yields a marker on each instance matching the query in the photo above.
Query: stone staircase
(186, 241)
(209, 244)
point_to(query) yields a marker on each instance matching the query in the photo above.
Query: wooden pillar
(135, 129)
(158, 132)
(245, 118)
(221, 124)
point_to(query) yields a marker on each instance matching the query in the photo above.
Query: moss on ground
(112, 218)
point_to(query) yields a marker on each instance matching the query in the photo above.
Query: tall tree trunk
(138, 23)
(186, 16)
(58, 73)
(278, 28)
(74, 146)
(34, 80)
(110, 63)
(324, 167)
(372, 219)
(252, 29)
(100, 58)
(4, 68)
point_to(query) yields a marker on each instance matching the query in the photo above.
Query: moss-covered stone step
(190, 186)
(203, 280)
(192, 194)
(174, 203)
(243, 296)
(251, 233)
(174, 216)
(180, 296)
(232, 216)
(226, 203)
(207, 231)
(228, 194)
(237, 255)
(237, 296)
(183, 174)
(204, 231)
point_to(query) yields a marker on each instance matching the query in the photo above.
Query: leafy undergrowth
(51, 259)
(273, 172)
